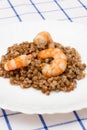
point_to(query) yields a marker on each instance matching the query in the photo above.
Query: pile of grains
(31, 76)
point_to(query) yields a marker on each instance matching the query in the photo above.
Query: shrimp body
(57, 66)
(43, 37)
(18, 62)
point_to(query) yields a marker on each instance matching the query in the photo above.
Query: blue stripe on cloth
(82, 4)
(78, 17)
(61, 124)
(6, 119)
(17, 15)
(11, 114)
(63, 10)
(7, 17)
(43, 122)
(76, 7)
(37, 9)
(23, 4)
(79, 120)
(46, 12)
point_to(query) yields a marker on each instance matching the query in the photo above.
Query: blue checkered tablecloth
(12, 11)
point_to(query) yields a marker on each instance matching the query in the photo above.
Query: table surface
(12, 11)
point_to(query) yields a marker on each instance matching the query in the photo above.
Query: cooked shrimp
(57, 66)
(43, 37)
(18, 62)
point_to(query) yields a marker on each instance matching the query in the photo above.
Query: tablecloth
(12, 11)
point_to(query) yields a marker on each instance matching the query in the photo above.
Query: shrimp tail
(18, 62)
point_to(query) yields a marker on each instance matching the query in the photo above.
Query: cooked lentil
(31, 76)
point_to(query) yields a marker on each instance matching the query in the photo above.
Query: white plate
(31, 101)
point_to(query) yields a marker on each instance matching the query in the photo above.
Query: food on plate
(57, 66)
(43, 64)
(43, 37)
(18, 62)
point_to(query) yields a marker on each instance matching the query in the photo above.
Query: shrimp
(43, 38)
(57, 66)
(18, 62)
